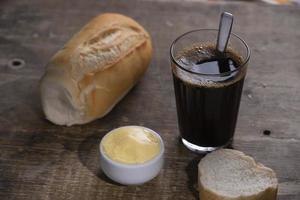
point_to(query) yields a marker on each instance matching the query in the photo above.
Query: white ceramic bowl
(132, 174)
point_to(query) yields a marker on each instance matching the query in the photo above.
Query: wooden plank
(39, 160)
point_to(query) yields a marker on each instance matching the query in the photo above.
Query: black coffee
(207, 105)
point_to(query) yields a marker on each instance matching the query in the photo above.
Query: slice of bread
(228, 174)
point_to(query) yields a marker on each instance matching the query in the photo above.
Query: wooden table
(39, 160)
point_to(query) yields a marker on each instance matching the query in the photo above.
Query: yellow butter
(131, 145)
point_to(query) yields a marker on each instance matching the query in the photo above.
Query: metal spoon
(225, 26)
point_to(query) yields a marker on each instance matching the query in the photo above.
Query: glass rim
(245, 61)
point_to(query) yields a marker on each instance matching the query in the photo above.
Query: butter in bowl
(131, 155)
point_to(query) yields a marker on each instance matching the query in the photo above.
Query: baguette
(95, 69)
(231, 175)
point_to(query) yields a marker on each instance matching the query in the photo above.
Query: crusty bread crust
(95, 69)
(205, 193)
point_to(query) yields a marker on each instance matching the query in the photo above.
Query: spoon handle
(224, 31)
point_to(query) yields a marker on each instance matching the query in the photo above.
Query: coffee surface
(203, 59)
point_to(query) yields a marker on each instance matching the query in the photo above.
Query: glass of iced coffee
(208, 87)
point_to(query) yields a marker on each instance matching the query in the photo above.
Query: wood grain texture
(39, 160)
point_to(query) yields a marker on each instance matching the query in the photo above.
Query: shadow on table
(88, 154)
(192, 173)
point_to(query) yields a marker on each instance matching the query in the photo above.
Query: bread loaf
(95, 69)
(231, 175)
